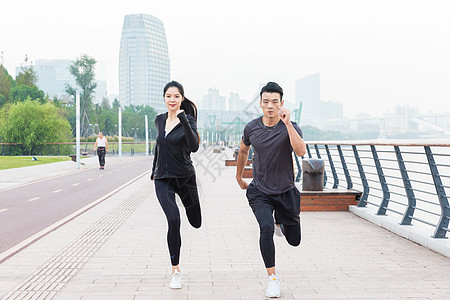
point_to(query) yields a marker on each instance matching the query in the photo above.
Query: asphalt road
(26, 210)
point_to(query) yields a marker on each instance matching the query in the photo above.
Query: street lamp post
(146, 135)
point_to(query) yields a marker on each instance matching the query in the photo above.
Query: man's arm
(241, 162)
(297, 142)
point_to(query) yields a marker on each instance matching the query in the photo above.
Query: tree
(134, 117)
(6, 82)
(2, 100)
(105, 103)
(83, 69)
(116, 103)
(28, 76)
(32, 124)
(24, 92)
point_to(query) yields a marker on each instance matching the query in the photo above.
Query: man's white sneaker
(273, 291)
(175, 283)
(278, 230)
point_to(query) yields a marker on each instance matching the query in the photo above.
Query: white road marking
(100, 175)
(58, 224)
(89, 179)
(109, 172)
(33, 199)
(57, 191)
(2, 210)
(75, 184)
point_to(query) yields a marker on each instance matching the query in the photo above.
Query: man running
(273, 137)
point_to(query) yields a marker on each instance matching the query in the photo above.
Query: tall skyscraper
(144, 65)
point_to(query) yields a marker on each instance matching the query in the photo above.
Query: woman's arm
(155, 157)
(190, 131)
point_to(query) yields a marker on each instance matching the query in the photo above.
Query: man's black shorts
(286, 205)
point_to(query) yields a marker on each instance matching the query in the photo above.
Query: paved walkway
(117, 250)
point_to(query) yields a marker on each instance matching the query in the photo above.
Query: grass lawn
(10, 162)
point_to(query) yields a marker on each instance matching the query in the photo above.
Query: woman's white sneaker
(278, 230)
(175, 283)
(273, 291)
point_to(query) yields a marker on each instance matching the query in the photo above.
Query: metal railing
(87, 148)
(411, 180)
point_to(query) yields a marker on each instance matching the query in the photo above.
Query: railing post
(309, 151)
(409, 212)
(384, 187)
(366, 189)
(333, 169)
(348, 178)
(324, 172)
(442, 226)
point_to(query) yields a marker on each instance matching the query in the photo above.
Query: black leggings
(264, 216)
(101, 152)
(186, 188)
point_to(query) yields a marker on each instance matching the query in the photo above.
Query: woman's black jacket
(172, 152)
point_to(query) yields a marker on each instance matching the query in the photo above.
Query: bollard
(313, 171)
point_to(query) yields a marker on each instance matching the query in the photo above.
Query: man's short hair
(272, 87)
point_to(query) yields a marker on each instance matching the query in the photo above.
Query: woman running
(173, 171)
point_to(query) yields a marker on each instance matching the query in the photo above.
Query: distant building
(314, 111)
(144, 65)
(53, 76)
(331, 110)
(307, 91)
(213, 101)
(235, 103)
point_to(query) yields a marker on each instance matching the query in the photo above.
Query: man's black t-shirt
(273, 170)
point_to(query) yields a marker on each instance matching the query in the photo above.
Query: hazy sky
(371, 54)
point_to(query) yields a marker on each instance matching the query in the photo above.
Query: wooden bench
(233, 163)
(329, 199)
(74, 156)
(248, 172)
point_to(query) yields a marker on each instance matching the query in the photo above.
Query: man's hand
(242, 183)
(285, 115)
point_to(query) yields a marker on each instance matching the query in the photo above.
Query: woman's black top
(172, 152)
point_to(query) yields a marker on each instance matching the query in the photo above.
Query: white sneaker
(278, 230)
(273, 291)
(175, 283)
